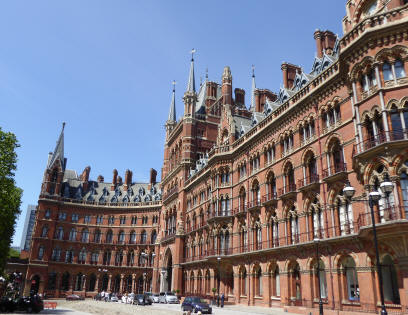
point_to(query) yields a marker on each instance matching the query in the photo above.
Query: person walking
(222, 300)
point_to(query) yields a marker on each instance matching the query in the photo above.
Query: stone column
(109, 288)
(163, 275)
(121, 283)
(133, 282)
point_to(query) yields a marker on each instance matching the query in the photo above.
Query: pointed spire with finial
(58, 151)
(172, 112)
(191, 78)
(253, 89)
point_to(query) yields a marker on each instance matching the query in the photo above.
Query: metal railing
(334, 169)
(312, 179)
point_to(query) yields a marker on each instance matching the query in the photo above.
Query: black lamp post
(373, 198)
(317, 241)
(218, 281)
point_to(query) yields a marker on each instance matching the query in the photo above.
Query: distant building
(28, 228)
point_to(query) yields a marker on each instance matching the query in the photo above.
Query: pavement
(89, 307)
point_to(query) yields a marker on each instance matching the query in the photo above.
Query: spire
(253, 89)
(191, 79)
(58, 151)
(172, 113)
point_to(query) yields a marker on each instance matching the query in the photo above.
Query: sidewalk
(234, 309)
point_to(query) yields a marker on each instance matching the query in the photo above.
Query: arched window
(82, 256)
(243, 281)
(60, 233)
(40, 252)
(294, 226)
(143, 237)
(56, 254)
(121, 237)
(345, 216)
(107, 258)
(387, 72)
(85, 236)
(351, 280)
(318, 220)
(390, 281)
(404, 189)
(72, 234)
(322, 277)
(92, 282)
(52, 281)
(44, 232)
(131, 258)
(69, 256)
(258, 282)
(153, 237)
(399, 69)
(94, 258)
(79, 281)
(396, 122)
(296, 286)
(97, 236)
(276, 282)
(119, 258)
(109, 236)
(242, 199)
(65, 281)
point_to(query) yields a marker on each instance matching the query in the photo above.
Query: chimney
(227, 86)
(115, 179)
(325, 42)
(318, 38)
(100, 179)
(153, 174)
(289, 72)
(128, 179)
(85, 177)
(239, 96)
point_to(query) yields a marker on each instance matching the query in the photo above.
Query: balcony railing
(286, 189)
(240, 210)
(334, 169)
(196, 227)
(254, 204)
(219, 213)
(170, 193)
(386, 216)
(270, 197)
(382, 137)
(312, 179)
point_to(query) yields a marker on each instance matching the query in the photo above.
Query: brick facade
(247, 193)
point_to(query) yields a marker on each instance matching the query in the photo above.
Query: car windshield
(197, 300)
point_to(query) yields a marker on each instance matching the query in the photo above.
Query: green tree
(10, 195)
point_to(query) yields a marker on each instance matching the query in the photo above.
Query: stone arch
(389, 54)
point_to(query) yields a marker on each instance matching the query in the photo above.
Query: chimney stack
(153, 174)
(325, 42)
(128, 179)
(115, 179)
(289, 72)
(239, 97)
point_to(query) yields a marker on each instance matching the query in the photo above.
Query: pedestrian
(222, 300)
(218, 300)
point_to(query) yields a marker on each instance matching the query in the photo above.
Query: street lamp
(349, 192)
(317, 241)
(386, 187)
(218, 282)
(373, 197)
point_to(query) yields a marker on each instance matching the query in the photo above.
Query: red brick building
(246, 193)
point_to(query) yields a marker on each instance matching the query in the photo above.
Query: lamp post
(218, 281)
(387, 187)
(373, 198)
(317, 241)
(348, 192)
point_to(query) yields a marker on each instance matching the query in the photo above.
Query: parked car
(142, 299)
(155, 298)
(168, 297)
(150, 295)
(114, 298)
(196, 304)
(75, 297)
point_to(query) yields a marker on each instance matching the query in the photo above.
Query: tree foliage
(10, 195)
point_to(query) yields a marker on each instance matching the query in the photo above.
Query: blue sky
(105, 68)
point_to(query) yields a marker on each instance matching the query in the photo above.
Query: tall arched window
(390, 281)
(318, 220)
(60, 233)
(276, 282)
(387, 72)
(56, 254)
(258, 282)
(322, 277)
(396, 123)
(107, 258)
(109, 236)
(97, 236)
(143, 237)
(404, 189)
(121, 237)
(153, 237)
(399, 69)
(40, 252)
(351, 280)
(65, 281)
(131, 258)
(345, 216)
(82, 256)
(72, 234)
(44, 232)
(243, 278)
(85, 236)
(132, 239)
